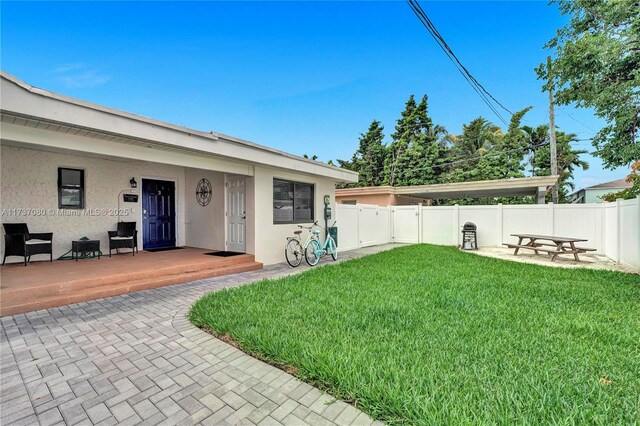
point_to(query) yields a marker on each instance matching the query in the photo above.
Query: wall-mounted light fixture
(133, 183)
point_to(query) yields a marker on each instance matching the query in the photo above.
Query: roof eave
(299, 164)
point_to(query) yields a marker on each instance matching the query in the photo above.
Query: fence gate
(368, 222)
(383, 227)
(406, 224)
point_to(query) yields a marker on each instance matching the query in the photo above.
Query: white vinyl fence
(613, 229)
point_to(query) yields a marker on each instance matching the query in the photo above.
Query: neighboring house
(593, 194)
(376, 195)
(67, 166)
(424, 194)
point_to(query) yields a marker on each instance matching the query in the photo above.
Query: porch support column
(542, 190)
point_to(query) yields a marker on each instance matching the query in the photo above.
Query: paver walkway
(136, 359)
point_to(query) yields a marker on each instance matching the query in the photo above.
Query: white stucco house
(69, 167)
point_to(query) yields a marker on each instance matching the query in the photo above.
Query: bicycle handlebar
(316, 224)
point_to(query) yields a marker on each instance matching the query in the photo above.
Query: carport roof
(478, 189)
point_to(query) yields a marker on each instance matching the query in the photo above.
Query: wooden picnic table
(557, 245)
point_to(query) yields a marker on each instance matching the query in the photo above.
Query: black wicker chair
(125, 237)
(18, 241)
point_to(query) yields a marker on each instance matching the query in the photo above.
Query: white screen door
(236, 214)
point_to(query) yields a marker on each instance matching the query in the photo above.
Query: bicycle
(293, 250)
(314, 249)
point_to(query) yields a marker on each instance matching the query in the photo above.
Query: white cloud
(68, 67)
(78, 75)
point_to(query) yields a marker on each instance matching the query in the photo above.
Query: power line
(442, 44)
(433, 32)
(464, 160)
(575, 119)
(477, 87)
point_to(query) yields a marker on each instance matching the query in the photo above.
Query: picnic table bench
(552, 245)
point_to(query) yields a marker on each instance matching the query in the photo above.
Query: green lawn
(431, 335)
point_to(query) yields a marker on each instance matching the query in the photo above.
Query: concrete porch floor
(587, 260)
(44, 285)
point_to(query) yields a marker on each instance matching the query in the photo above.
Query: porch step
(128, 273)
(24, 300)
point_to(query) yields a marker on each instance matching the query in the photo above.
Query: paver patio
(136, 359)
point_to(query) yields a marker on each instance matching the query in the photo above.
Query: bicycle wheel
(312, 253)
(293, 252)
(333, 248)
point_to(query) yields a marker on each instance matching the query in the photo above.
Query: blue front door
(158, 214)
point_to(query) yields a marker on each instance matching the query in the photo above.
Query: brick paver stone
(135, 359)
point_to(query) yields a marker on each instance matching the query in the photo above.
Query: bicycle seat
(297, 232)
(316, 231)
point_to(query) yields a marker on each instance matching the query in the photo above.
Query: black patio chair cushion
(18, 241)
(126, 236)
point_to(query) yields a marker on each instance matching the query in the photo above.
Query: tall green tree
(368, 160)
(478, 137)
(483, 152)
(415, 155)
(400, 148)
(597, 66)
(508, 154)
(537, 137)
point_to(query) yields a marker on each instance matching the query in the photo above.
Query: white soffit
(40, 109)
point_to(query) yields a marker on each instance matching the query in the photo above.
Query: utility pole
(552, 129)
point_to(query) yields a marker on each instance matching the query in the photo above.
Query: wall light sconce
(133, 183)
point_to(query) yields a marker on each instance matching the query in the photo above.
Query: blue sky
(304, 77)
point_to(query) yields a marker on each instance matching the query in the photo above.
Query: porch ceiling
(20, 130)
(66, 128)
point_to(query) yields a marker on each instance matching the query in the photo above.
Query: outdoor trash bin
(469, 236)
(333, 232)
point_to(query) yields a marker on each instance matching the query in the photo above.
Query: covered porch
(72, 169)
(185, 210)
(44, 285)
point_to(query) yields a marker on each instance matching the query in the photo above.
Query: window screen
(292, 201)
(70, 188)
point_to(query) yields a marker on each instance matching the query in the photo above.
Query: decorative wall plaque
(204, 192)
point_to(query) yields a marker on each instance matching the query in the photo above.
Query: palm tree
(478, 136)
(537, 136)
(568, 160)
